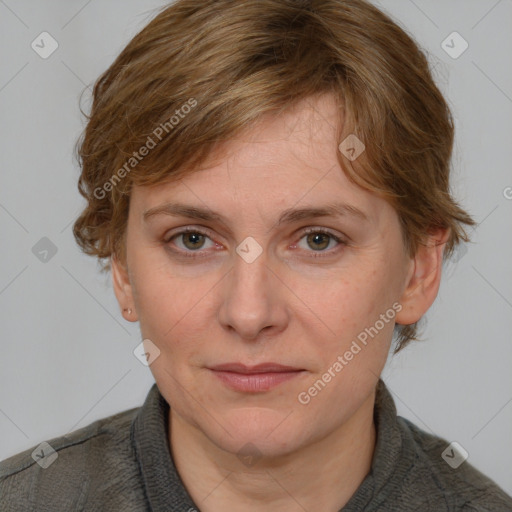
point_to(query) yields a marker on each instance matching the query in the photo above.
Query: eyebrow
(287, 216)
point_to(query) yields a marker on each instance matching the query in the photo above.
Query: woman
(268, 182)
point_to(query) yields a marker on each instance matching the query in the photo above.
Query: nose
(253, 299)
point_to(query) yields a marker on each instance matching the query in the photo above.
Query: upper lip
(259, 368)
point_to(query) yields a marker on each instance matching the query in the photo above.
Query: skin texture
(287, 306)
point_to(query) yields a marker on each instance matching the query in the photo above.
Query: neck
(310, 478)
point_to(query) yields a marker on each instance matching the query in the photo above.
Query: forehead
(285, 160)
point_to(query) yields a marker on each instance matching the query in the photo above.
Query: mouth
(254, 379)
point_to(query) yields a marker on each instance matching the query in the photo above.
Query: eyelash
(316, 254)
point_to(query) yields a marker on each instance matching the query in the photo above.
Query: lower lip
(254, 382)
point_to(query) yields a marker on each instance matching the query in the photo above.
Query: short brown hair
(218, 65)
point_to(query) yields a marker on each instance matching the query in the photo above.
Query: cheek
(348, 307)
(344, 299)
(173, 312)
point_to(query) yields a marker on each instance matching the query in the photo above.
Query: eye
(192, 240)
(319, 240)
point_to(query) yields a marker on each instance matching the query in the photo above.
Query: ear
(123, 289)
(424, 278)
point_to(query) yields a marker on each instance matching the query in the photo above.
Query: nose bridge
(249, 278)
(250, 301)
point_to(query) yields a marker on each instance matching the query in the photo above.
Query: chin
(267, 432)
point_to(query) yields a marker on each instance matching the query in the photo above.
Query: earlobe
(123, 289)
(424, 278)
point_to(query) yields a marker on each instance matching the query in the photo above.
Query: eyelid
(208, 232)
(327, 231)
(188, 229)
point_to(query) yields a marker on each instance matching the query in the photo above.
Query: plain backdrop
(66, 352)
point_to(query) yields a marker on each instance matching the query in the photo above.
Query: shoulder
(64, 472)
(442, 468)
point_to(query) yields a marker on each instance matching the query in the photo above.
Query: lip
(259, 368)
(254, 379)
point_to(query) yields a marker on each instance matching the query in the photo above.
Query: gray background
(66, 352)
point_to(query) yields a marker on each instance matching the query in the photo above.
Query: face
(257, 284)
